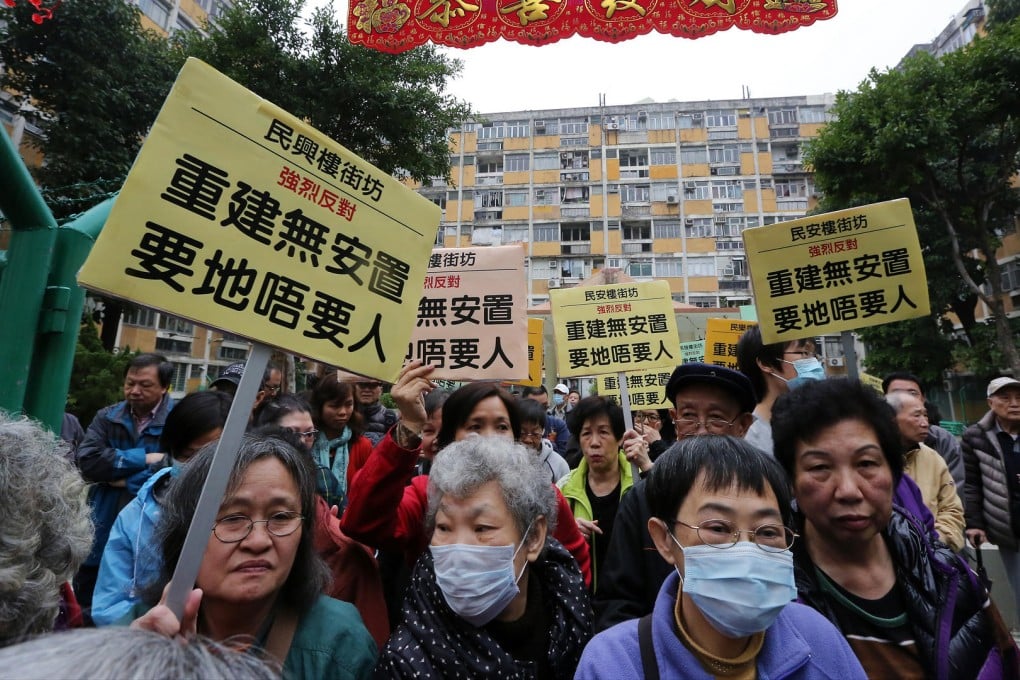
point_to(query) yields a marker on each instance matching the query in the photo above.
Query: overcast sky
(828, 56)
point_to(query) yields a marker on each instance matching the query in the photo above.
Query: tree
(92, 79)
(944, 132)
(97, 377)
(390, 109)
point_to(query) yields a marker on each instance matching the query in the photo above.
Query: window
(140, 316)
(173, 346)
(721, 118)
(670, 229)
(549, 196)
(573, 126)
(515, 234)
(698, 227)
(573, 195)
(812, 114)
(516, 198)
(686, 121)
(488, 199)
(547, 161)
(696, 191)
(728, 207)
(574, 160)
(516, 162)
(233, 354)
(783, 117)
(701, 266)
(640, 269)
(439, 200)
(658, 120)
(698, 155)
(1011, 275)
(635, 193)
(669, 266)
(485, 167)
(157, 10)
(573, 141)
(547, 234)
(662, 191)
(494, 145)
(176, 325)
(632, 158)
(576, 232)
(728, 153)
(663, 156)
(728, 189)
(791, 189)
(637, 232)
(179, 382)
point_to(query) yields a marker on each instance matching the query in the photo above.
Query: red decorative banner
(399, 25)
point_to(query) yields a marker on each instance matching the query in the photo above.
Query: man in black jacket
(706, 400)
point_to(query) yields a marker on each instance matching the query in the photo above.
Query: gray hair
(464, 466)
(46, 531)
(121, 652)
(898, 400)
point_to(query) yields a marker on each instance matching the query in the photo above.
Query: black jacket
(945, 602)
(633, 570)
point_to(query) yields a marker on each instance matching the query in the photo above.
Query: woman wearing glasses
(908, 605)
(719, 516)
(260, 577)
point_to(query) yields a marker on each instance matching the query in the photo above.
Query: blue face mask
(557, 399)
(477, 581)
(807, 369)
(739, 590)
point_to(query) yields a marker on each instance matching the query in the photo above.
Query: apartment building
(659, 190)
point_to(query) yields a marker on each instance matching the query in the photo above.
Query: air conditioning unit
(642, 115)
(726, 271)
(614, 188)
(671, 199)
(835, 361)
(554, 264)
(539, 124)
(689, 222)
(690, 185)
(555, 282)
(612, 125)
(713, 171)
(697, 117)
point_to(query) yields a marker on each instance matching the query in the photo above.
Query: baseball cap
(999, 383)
(562, 389)
(231, 374)
(733, 382)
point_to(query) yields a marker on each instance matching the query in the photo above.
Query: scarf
(433, 642)
(340, 446)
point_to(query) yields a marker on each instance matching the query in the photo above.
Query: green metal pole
(33, 237)
(46, 395)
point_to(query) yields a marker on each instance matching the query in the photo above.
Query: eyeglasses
(687, 426)
(235, 528)
(271, 389)
(368, 385)
(722, 534)
(642, 417)
(537, 434)
(310, 434)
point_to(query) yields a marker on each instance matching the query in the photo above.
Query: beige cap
(999, 383)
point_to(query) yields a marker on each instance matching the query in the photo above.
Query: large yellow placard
(472, 316)
(721, 337)
(536, 353)
(615, 328)
(837, 271)
(239, 216)
(645, 390)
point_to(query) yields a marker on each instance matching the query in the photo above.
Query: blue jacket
(800, 644)
(113, 451)
(131, 560)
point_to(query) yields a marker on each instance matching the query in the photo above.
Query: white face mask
(477, 581)
(739, 590)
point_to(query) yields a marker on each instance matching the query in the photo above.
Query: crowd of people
(770, 523)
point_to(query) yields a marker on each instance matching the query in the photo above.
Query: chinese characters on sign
(837, 272)
(399, 25)
(721, 337)
(536, 353)
(472, 322)
(615, 328)
(240, 217)
(693, 352)
(645, 390)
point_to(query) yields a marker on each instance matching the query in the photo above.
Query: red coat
(387, 512)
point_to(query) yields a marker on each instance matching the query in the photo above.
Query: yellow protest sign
(239, 216)
(614, 328)
(646, 389)
(721, 337)
(536, 353)
(472, 320)
(838, 271)
(872, 381)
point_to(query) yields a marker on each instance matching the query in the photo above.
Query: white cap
(999, 383)
(562, 389)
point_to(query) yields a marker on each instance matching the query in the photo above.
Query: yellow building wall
(468, 178)
(518, 212)
(747, 163)
(661, 136)
(516, 178)
(751, 201)
(191, 8)
(690, 135)
(470, 141)
(662, 172)
(700, 246)
(811, 129)
(768, 200)
(667, 245)
(613, 168)
(137, 337)
(699, 170)
(765, 164)
(594, 135)
(546, 212)
(516, 143)
(702, 207)
(613, 204)
(663, 209)
(547, 177)
(703, 284)
(547, 142)
(545, 248)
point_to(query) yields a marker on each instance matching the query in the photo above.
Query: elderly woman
(596, 486)
(495, 595)
(719, 512)
(46, 532)
(909, 607)
(386, 512)
(260, 576)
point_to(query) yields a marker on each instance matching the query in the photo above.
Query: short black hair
(590, 407)
(164, 369)
(193, 416)
(901, 375)
(273, 410)
(750, 349)
(801, 415)
(532, 412)
(528, 391)
(724, 461)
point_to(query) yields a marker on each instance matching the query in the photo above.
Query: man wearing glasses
(706, 400)
(378, 418)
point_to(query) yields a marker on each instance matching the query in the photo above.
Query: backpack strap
(648, 662)
(281, 634)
